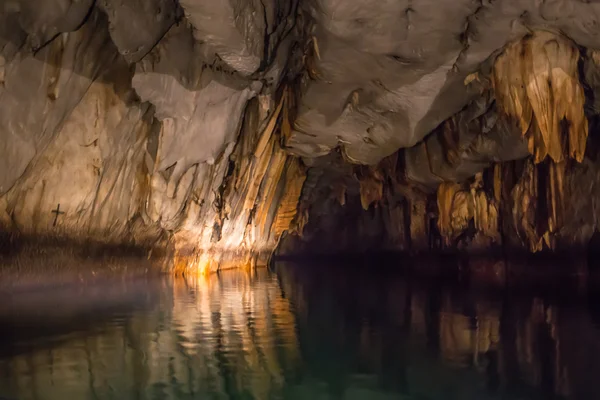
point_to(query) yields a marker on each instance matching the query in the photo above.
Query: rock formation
(226, 130)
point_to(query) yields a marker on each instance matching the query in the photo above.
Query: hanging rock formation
(223, 131)
(536, 82)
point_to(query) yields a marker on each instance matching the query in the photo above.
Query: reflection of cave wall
(513, 343)
(312, 328)
(152, 346)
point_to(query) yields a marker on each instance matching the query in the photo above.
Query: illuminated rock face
(135, 131)
(350, 125)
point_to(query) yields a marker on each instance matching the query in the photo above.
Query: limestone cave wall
(224, 130)
(147, 139)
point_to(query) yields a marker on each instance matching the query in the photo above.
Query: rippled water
(303, 333)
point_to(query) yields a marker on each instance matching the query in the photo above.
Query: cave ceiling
(383, 74)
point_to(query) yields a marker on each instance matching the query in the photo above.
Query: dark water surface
(301, 333)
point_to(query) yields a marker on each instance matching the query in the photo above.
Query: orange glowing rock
(536, 81)
(371, 186)
(445, 198)
(288, 206)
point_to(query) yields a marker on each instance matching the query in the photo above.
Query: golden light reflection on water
(244, 313)
(208, 335)
(296, 335)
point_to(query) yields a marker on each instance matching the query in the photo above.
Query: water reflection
(211, 337)
(305, 332)
(435, 340)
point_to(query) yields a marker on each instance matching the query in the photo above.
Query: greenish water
(301, 333)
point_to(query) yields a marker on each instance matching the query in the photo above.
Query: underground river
(298, 330)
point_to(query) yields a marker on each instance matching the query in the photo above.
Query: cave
(432, 164)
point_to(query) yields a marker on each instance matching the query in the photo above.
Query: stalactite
(371, 185)
(418, 223)
(539, 201)
(286, 120)
(486, 216)
(310, 60)
(257, 197)
(524, 198)
(270, 183)
(451, 141)
(556, 195)
(339, 190)
(445, 201)
(300, 221)
(498, 183)
(458, 205)
(536, 81)
(288, 206)
(462, 212)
